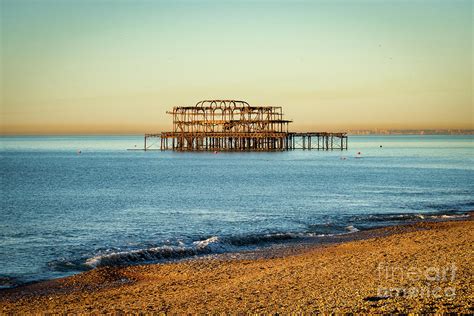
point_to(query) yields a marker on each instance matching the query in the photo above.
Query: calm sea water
(64, 212)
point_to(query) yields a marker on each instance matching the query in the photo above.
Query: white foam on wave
(454, 216)
(444, 216)
(206, 242)
(206, 246)
(139, 255)
(352, 229)
(211, 244)
(93, 262)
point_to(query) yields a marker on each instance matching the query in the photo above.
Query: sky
(115, 67)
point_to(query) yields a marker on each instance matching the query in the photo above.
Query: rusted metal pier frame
(220, 141)
(231, 125)
(224, 141)
(318, 141)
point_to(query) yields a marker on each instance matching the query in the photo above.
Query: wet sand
(423, 267)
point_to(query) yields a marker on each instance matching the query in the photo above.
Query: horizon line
(358, 132)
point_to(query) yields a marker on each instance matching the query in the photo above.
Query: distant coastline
(411, 132)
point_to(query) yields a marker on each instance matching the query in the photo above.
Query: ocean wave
(211, 245)
(352, 229)
(451, 216)
(253, 239)
(407, 217)
(330, 229)
(225, 244)
(142, 255)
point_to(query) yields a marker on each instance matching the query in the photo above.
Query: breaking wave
(352, 229)
(400, 217)
(219, 245)
(330, 229)
(212, 245)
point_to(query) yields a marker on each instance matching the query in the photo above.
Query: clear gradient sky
(117, 66)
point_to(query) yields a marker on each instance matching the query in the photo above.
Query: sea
(74, 203)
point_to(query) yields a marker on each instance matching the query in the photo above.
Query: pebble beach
(424, 267)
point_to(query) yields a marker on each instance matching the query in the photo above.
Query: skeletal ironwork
(232, 125)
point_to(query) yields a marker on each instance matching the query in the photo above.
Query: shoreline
(282, 244)
(338, 274)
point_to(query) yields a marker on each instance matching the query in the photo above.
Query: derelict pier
(231, 125)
